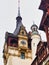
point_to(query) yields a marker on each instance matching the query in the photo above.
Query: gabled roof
(7, 35)
(22, 29)
(44, 4)
(44, 21)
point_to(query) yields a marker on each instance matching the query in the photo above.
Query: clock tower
(17, 47)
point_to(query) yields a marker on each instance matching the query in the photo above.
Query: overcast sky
(8, 14)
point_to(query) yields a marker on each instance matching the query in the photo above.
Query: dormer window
(13, 42)
(22, 32)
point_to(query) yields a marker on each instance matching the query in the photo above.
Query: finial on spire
(33, 22)
(18, 7)
(19, 18)
(34, 26)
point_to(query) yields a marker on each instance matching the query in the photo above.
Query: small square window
(22, 55)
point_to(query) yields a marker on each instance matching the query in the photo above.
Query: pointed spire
(18, 18)
(18, 7)
(34, 28)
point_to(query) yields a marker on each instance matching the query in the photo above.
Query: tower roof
(44, 4)
(19, 20)
(45, 19)
(34, 26)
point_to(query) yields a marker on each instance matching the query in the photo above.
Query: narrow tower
(35, 39)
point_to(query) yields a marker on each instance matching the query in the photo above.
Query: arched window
(13, 41)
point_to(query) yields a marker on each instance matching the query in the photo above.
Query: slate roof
(44, 4)
(19, 24)
(45, 19)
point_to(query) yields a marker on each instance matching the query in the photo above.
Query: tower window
(22, 55)
(33, 44)
(13, 42)
(22, 32)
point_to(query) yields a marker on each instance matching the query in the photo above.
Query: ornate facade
(19, 46)
(23, 48)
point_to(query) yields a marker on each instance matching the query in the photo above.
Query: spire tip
(18, 7)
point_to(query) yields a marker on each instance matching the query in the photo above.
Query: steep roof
(44, 4)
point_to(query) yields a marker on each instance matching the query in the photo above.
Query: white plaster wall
(12, 51)
(13, 60)
(35, 41)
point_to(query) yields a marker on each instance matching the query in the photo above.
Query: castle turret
(35, 39)
(17, 47)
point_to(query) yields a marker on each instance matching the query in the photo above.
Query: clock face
(23, 42)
